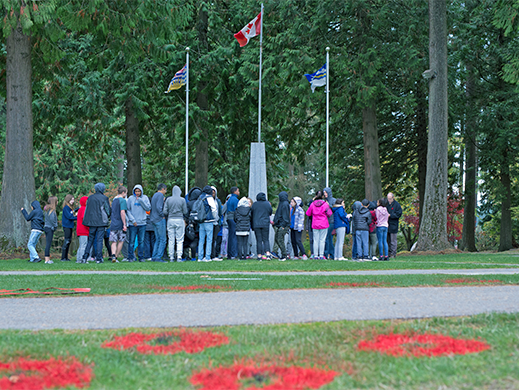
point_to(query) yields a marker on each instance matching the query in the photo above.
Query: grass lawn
(330, 346)
(174, 283)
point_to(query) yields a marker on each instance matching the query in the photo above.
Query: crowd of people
(199, 227)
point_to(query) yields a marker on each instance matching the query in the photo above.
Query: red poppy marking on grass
(187, 288)
(265, 377)
(419, 345)
(53, 290)
(30, 374)
(173, 342)
(333, 284)
(463, 280)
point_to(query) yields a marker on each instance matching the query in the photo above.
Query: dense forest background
(99, 70)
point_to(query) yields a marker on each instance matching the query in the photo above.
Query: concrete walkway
(475, 271)
(254, 307)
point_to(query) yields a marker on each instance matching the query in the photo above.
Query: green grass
(331, 345)
(448, 261)
(138, 284)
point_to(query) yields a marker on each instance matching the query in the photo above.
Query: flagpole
(187, 120)
(260, 61)
(327, 115)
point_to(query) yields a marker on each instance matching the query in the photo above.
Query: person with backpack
(191, 236)
(205, 213)
(96, 217)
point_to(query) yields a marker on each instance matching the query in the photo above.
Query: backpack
(199, 211)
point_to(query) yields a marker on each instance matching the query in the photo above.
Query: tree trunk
(468, 238)
(133, 147)
(433, 228)
(505, 232)
(18, 188)
(373, 182)
(421, 143)
(202, 158)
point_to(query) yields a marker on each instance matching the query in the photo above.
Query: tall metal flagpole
(260, 61)
(187, 120)
(327, 115)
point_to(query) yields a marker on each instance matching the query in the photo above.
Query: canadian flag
(252, 29)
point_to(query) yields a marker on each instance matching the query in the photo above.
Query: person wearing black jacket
(37, 226)
(191, 232)
(242, 217)
(97, 213)
(395, 212)
(362, 220)
(260, 214)
(282, 223)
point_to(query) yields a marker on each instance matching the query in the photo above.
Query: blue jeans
(329, 249)
(382, 240)
(354, 254)
(149, 243)
(206, 231)
(134, 231)
(160, 240)
(232, 242)
(362, 237)
(95, 239)
(33, 241)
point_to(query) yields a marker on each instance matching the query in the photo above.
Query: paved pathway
(254, 307)
(475, 271)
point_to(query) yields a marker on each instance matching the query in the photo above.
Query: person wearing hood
(342, 227)
(329, 249)
(216, 229)
(118, 226)
(159, 223)
(362, 220)
(97, 213)
(138, 208)
(320, 213)
(81, 230)
(297, 225)
(373, 243)
(261, 211)
(67, 222)
(174, 209)
(51, 224)
(242, 217)
(191, 235)
(395, 212)
(282, 223)
(37, 228)
(225, 229)
(356, 206)
(206, 227)
(232, 204)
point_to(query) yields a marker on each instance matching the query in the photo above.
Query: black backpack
(199, 211)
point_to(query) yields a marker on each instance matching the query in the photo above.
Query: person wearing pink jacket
(382, 225)
(319, 210)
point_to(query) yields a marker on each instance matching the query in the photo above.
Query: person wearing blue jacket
(342, 227)
(232, 204)
(67, 222)
(37, 227)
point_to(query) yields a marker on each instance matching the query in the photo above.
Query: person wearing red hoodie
(81, 230)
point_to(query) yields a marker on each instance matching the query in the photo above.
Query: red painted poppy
(419, 345)
(266, 377)
(167, 343)
(30, 374)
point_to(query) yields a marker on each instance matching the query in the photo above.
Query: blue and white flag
(317, 79)
(178, 80)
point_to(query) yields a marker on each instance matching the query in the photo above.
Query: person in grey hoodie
(329, 248)
(362, 220)
(138, 206)
(174, 209)
(159, 223)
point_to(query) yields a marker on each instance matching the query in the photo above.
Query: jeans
(329, 249)
(225, 240)
(297, 244)
(136, 231)
(373, 243)
(243, 246)
(392, 238)
(206, 233)
(83, 240)
(66, 243)
(49, 234)
(339, 244)
(354, 254)
(280, 240)
(232, 243)
(319, 241)
(33, 241)
(362, 237)
(160, 240)
(95, 239)
(382, 240)
(176, 229)
(149, 243)
(262, 240)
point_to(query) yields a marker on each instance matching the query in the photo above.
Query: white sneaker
(216, 259)
(341, 259)
(374, 258)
